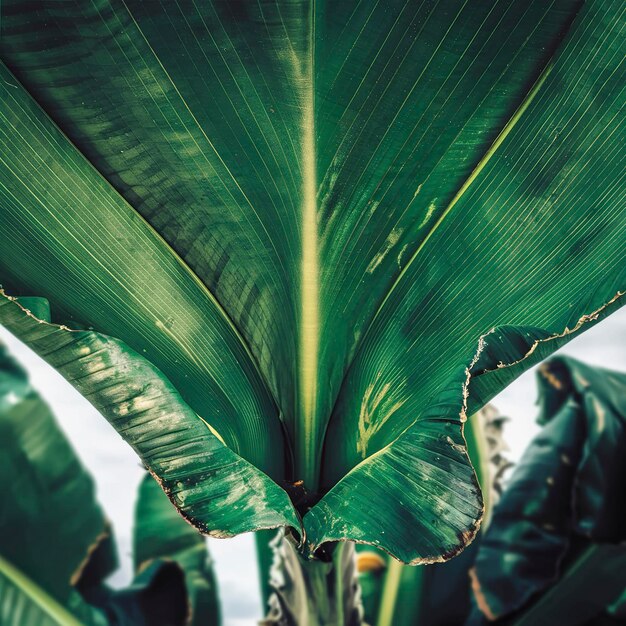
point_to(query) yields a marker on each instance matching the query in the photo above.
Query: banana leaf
(279, 240)
(157, 596)
(564, 505)
(589, 584)
(160, 533)
(50, 520)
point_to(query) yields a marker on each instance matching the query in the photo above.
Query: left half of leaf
(164, 365)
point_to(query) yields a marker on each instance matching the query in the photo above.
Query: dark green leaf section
(590, 584)
(161, 533)
(574, 470)
(534, 238)
(215, 489)
(409, 97)
(44, 487)
(68, 236)
(421, 490)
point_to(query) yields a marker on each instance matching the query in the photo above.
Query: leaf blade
(160, 533)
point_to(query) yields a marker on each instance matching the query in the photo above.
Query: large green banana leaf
(308, 219)
(161, 533)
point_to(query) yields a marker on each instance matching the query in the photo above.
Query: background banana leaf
(51, 522)
(24, 602)
(299, 230)
(161, 533)
(56, 548)
(265, 558)
(563, 508)
(424, 595)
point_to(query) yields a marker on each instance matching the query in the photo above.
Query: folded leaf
(216, 490)
(157, 596)
(421, 490)
(438, 594)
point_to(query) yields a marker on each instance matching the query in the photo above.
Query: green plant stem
(314, 592)
(473, 432)
(402, 595)
(391, 586)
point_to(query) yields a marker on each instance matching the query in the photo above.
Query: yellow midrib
(309, 288)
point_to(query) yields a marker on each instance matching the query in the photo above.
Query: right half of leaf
(534, 238)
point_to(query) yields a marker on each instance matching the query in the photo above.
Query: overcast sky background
(117, 470)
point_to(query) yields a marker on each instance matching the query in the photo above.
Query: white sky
(117, 470)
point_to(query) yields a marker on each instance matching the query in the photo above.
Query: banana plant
(286, 248)
(56, 546)
(554, 552)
